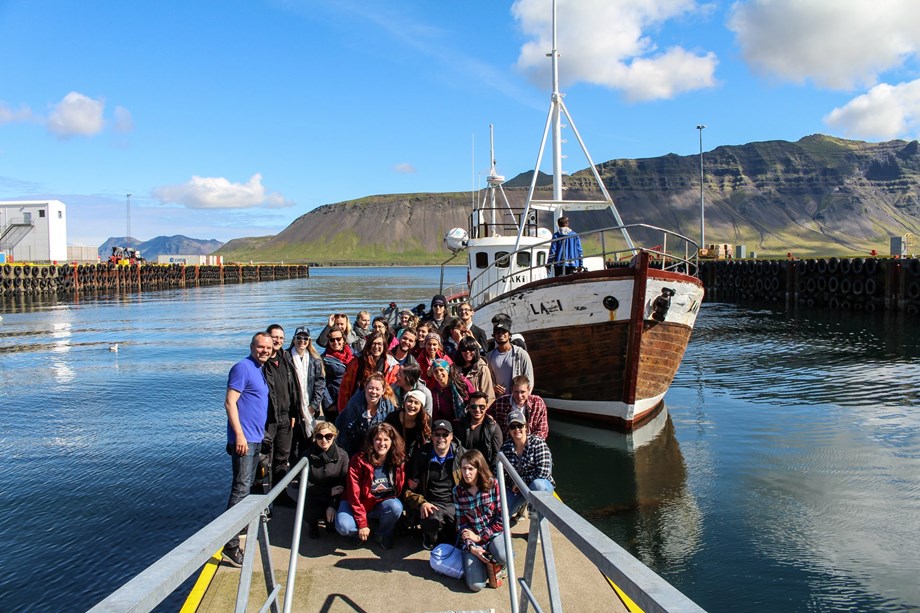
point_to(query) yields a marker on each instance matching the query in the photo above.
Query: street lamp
(702, 207)
(128, 197)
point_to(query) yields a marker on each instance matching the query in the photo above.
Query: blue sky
(229, 119)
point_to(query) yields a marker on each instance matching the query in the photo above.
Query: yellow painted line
(626, 600)
(201, 586)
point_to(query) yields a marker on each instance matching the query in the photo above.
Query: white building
(33, 230)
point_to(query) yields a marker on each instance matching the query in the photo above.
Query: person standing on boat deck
(437, 317)
(507, 360)
(283, 405)
(530, 405)
(565, 253)
(434, 474)
(376, 477)
(530, 457)
(479, 430)
(337, 321)
(466, 316)
(246, 404)
(326, 476)
(308, 368)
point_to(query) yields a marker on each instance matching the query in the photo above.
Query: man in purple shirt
(247, 408)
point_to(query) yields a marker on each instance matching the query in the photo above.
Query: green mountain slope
(818, 196)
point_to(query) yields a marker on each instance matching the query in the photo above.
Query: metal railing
(501, 269)
(645, 587)
(153, 585)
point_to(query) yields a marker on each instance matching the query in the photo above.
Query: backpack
(447, 560)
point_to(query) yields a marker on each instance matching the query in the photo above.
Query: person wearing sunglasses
(308, 368)
(474, 367)
(327, 476)
(530, 457)
(336, 358)
(478, 430)
(434, 472)
(438, 317)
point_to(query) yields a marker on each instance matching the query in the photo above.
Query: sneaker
(428, 542)
(385, 542)
(233, 556)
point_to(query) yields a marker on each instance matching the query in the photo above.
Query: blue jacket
(566, 248)
(353, 423)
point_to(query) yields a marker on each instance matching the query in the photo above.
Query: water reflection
(632, 484)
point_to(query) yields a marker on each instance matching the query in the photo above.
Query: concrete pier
(859, 284)
(335, 574)
(68, 279)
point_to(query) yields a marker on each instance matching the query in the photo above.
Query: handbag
(447, 560)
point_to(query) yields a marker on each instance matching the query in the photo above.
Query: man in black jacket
(433, 473)
(283, 405)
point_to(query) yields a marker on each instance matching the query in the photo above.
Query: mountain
(818, 196)
(162, 245)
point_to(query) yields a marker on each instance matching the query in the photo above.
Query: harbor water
(784, 475)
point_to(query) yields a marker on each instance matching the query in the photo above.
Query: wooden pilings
(865, 284)
(36, 280)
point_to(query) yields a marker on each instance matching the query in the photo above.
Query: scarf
(345, 356)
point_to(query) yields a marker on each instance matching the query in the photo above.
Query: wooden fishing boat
(605, 341)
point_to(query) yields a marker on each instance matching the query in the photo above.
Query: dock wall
(864, 284)
(38, 280)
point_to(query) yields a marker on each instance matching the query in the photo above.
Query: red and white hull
(598, 348)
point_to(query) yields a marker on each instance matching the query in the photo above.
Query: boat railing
(501, 221)
(649, 591)
(153, 585)
(663, 256)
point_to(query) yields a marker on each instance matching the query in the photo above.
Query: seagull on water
(114, 347)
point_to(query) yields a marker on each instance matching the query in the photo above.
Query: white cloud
(405, 168)
(607, 43)
(839, 44)
(76, 115)
(884, 112)
(124, 123)
(10, 115)
(219, 193)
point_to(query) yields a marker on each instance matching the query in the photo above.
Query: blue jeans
(387, 511)
(244, 475)
(517, 500)
(475, 573)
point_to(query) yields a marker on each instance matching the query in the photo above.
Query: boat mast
(554, 121)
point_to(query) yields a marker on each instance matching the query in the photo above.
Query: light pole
(128, 198)
(702, 207)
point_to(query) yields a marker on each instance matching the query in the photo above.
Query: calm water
(784, 476)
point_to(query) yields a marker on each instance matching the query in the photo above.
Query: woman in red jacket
(372, 491)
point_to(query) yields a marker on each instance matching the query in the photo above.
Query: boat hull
(598, 348)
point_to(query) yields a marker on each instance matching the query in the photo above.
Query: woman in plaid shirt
(479, 519)
(530, 457)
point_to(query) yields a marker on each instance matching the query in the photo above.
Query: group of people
(402, 418)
